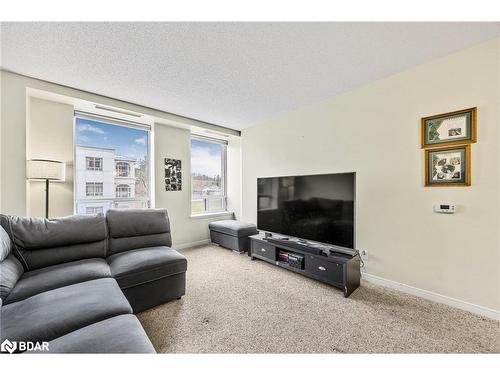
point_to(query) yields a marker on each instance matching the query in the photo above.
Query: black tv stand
(337, 266)
(296, 244)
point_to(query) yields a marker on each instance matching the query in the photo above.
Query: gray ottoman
(232, 234)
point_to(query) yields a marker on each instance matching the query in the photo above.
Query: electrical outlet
(364, 254)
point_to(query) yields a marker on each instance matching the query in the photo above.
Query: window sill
(211, 214)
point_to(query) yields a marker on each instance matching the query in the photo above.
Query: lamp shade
(43, 169)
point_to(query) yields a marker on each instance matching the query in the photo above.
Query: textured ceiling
(230, 74)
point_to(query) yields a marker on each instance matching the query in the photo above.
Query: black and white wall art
(173, 175)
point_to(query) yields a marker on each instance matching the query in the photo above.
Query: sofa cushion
(140, 266)
(57, 312)
(39, 242)
(48, 278)
(135, 228)
(119, 334)
(233, 228)
(5, 244)
(11, 271)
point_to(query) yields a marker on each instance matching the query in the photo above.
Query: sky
(206, 158)
(127, 142)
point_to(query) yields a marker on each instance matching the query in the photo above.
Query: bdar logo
(8, 346)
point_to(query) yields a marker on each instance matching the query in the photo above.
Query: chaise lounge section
(140, 258)
(76, 281)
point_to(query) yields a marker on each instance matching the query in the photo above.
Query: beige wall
(234, 176)
(374, 131)
(1, 127)
(50, 136)
(175, 143)
(33, 127)
(13, 151)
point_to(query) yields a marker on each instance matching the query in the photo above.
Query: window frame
(205, 199)
(129, 191)
(119, 170)
(94, 185)
(93, 160)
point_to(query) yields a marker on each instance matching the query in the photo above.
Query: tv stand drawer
(327, 271)
(264, 250)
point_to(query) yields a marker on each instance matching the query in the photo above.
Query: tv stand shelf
(341, 270)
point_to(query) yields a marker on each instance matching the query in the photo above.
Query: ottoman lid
(233, 228)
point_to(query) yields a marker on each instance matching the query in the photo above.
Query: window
(94, 210)
(123, 191)
(120, 151)
(208, 175)
(94, 189)
(122, 169)
(93, 163)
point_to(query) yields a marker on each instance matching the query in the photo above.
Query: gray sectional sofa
(75, 282)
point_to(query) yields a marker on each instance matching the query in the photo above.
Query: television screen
(315, 207)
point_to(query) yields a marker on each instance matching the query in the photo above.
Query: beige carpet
(235, 305)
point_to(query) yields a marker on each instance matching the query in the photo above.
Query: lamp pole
(47, 198)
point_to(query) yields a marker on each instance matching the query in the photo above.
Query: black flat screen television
(314, 207)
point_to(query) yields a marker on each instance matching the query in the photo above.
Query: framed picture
(173, 175)
(448, 129)
(448, 166)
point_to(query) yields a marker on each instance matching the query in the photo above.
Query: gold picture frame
(449, 129)
(448, 166)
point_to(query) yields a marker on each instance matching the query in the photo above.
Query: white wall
(374, 131)
(50, 136)
(1, 127)
(234, 176)
(13, 151)
(175, 143)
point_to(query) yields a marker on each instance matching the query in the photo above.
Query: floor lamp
(46, 170)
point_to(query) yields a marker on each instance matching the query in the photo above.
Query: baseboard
(476, 309)
(191, 244)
